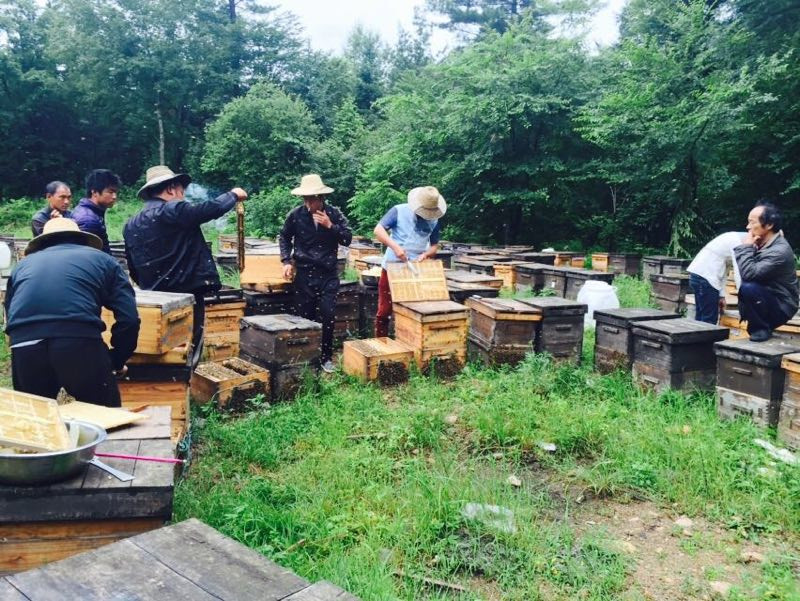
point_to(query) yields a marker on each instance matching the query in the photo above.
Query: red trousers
(384, 306)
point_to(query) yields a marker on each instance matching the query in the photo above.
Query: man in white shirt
(707, 274)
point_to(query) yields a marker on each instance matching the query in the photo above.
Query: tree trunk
(161, 159)
(232, 10)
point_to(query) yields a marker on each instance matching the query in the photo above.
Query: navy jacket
(165, 248)
(58, 292)
(773, 266)
(42, 217)
(92, 219)
(313, 246)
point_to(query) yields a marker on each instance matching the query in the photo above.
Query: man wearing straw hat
(414, 228)
(165, 247)
(53, 304)
(309, 242)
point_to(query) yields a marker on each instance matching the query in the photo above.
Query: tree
(367, 54)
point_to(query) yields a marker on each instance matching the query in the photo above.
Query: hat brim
(184, 178)
(46, 240)
(424, 212)
(312, 191)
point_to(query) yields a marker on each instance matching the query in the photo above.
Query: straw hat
(160, 174)
(427, 202)
(311, 185)
(61, 229)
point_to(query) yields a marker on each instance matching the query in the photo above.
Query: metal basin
(46, 468)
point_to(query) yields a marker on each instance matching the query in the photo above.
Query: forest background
(657, 142)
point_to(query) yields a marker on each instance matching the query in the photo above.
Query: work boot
(328, 367)
(760, 335)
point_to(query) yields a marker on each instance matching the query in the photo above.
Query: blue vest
(412, 233)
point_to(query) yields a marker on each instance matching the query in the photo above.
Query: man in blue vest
(414, 228)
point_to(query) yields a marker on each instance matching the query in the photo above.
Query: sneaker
(760, 335)
(328, 367)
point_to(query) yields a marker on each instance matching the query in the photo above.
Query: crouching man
(768, 295)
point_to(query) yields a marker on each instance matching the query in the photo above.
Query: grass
(356, 484)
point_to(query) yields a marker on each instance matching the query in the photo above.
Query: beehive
(554, 279)
(464, 277)
(166, 321)
(613, 348)
(262, 268)
(502, 331)
(359, 250)
(576, 278)
(560, 331)
(789, 415)
(662, 264)
(460, 291)
(577, 262)
(531, 276)
(377, 359)
(434, 329)
(600, 262)
(229, 383)
(280, 340)
(224, 310)
(624, 263)
(669, 291)
(563, 258)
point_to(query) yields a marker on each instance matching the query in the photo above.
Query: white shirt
(712, 261)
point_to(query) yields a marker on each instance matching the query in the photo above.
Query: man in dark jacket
(768, 295)
(53, 304)
(311, 235)
(165, 247)
(59, 197)
(102, 186)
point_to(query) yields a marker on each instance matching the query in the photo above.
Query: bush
(266, 211)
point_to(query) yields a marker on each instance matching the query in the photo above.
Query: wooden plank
(156, 425)
(9, 593)
(153, 473)
(322, 591)
(422, 281)
(217, 564)
(97, 478)
(119, 571)
(105, 417)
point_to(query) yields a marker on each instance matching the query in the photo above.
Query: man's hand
(240, 194)
(288, 272)
(422, 257)
(751, 239)
(120, 373)
(55, 213)
(321, 218)
(400, 254)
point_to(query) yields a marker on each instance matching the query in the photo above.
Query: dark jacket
(165, 248)
(772, 266)
(313, 246)
(92, 219)
(42, 217)
(58, 292)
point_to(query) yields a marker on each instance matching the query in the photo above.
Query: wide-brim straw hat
(61, 230)
(427, 202)
(160, 174)
(311, 185)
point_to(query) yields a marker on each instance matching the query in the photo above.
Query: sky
(327, 23)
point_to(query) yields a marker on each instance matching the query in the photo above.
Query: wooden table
(40, 524)
(187, 561)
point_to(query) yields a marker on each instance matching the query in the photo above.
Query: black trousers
(757, 306)
(315, 299)
(82, 366)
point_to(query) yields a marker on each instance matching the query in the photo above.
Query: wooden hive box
(367, 309)
(624, 263)
(459, 292)
(262, 267)
(434, 329)
(676, 353)
(478, 265)
(280, 340)
(417, 281)
(563, 258)
(750, 379)
(531, 276)
(464, 277)
(663, 264)
(534, 257)
(179, 356)
(555, 279)
(789, 415)
(268, 303)
(576, 278)
(503, 322)
(669, 291)
(166, 321)
(224, 310)
(508, 273)
(159, 386)
(480, 352)
(285, 380)
(368, 262)
(577, 262)
(600, 262)
(560, 331)
(360, 250)
(613, 348)
(383, 360)
(347, 311)
(445, 256)
(229, 383)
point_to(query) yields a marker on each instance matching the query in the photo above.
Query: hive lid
(432, 307)
(166, 301)
(378, 347)
(625, 316)
(279, 323)
(768, 353)
(680, 331)
(670, 278)
(555, 305)
(420, 281)
(503, 309)
(588, 274)
(466, 277)
(531, 267)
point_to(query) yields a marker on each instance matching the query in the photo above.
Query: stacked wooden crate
(530, 276)
(789, 415)
(347, 311)
(507, 271)
(367, 307)
(230, 383)
(750, 379)
(554, 279)
(501, 331)
(425, 319)
(366, 262)
(578, 262)
(359, 250)
(263, 271)
(600, 262)
(576, 278)
(560, 331)
(676, 353)
(624, 263)
(563, 258)
(268, 303)
(460, 291)
(159, 371)
(455, 276)
(613, 347)
(663, 265)
(534, 257)
(224, 310)
(381, 360)
(669, 291)
(287, 345)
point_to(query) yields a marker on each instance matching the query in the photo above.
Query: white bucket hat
(160, 174)
(311, 185)
(427, 202)
(61, 229)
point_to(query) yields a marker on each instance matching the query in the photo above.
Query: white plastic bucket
(597, 295)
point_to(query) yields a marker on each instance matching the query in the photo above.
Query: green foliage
(260, 140)
(266, 211)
